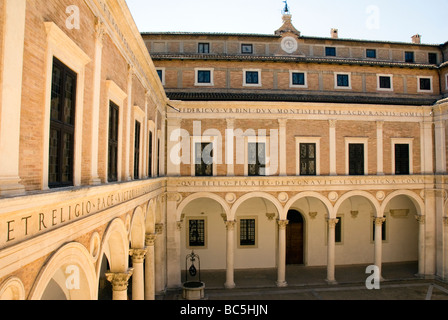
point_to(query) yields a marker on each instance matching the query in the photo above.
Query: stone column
(330, 250)
(445, 249)
(99, 35)
(150, 267)
(332, 147)
(440, 146)
(14, 12)
(230, 282)
(138, 257)
(378, 242)
(127, 137)
(421, 245)
(173, 243)
(281, 271)
(119, 283)
(159, 266)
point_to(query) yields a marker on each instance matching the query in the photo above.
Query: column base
(11, 187)
(281, 284)
(229, 285)
(95, 181)
(331, 282)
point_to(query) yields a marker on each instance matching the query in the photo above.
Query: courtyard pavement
(308, 283)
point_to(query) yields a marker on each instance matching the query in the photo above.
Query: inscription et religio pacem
(32, 223)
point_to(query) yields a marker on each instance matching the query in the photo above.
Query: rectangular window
(425, 84)
(432, 58)
(371, 53)
(112, 173)
(150, 143)
(256, 159)
(298, 79)
(204, 48)
(137, 151)
(384, 82)
(409, 56)
(356, 159)
(247, 49)
(196, 233)
(204, 159)
(62, 126)
(204, 77)
(247, 232)
(307, 159)
(402, 159)
(343, 81)
(330, 51)
(252, 77)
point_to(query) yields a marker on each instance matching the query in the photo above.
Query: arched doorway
(294, 238)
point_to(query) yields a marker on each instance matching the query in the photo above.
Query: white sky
(384, 20)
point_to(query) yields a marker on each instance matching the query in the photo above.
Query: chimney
(334, 33)
(416, 39)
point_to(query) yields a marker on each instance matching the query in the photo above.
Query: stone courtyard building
(121, 152)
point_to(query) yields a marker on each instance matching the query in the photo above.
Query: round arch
(199, 195)
(374, 202)
(115, 246)
(416, 200)
(12, 289)
(150, 216)
(72, 271)
(251, 195)
(307, 194)
(137, 234)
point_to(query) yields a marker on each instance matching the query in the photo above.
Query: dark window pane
(160, 73)
(247, 232)
(204, 159)
(298, 78)
(113, 143)
(338, 231)
(385, 82)
(256, 159)
(371, 53)
(204, 76)
(343, 80)
(330, 51)
(432, 58)
(204, 48)
(409, 56)
(425, 84)
(402, 159)
(150, 154)
(137, 150)
(246, 48)
(356, 159)
(252, 77)
(307, 159)
(196, 233)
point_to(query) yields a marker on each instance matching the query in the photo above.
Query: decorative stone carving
(283, 197)
(174, 196)
(380, 195)
(230, 225)
(159, 228)
(333, 196)
(399, 213)
(138, 255)
(313, 215)
(224, 217)
(119, 281)
(230, 197)
(445, 221)
(150, 238)
(270, 216)
(332, 222)
(95, 245)
(282, 224)
(420, 219)
(379, 221)
(354, 214)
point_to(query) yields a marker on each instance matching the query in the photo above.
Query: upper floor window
(432, 58)
(62, 126)
(203, 156)
(342, 81)
(385, 82)
(112, 172)
(298, 79)
(256, 159)
(409, 56)
(137, 150)
(356, 159)
(204, 77)
(401, 159)
(247, 48)
(204, 48)
(252, 78)
(307, 159)
(424, 84)
(330, 51)
(161, 74)
(371, 53)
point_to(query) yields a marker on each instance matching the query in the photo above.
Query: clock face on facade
(289, 44)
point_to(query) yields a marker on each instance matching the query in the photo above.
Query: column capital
(379, 124)
(230, 225)
(420, 219)
(332, 123)
(332, 222)
(282, 122)
(100, 30)
(379, 220)
(445, 221)
(282, 224)
(159, 228)
(138, 254)
(150, 239)
(119, 280)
